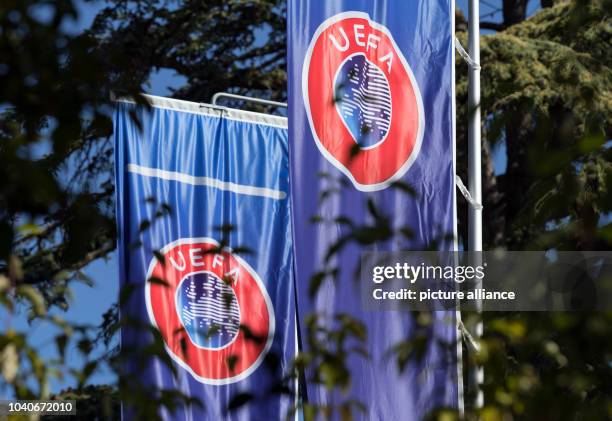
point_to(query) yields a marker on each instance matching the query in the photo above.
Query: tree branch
(40, 269)
(495, 26)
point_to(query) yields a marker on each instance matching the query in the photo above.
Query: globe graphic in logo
(208, 309)
(363, 100)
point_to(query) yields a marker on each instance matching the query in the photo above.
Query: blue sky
(90, 302)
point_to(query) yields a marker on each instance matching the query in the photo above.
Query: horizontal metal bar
(247, 99)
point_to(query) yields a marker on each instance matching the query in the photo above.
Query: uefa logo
(363, 104)
(212, 310)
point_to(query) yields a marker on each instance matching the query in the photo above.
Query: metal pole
(218, 95)
(476, 374)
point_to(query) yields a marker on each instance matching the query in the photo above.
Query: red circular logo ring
(241, 357)
(336, 40)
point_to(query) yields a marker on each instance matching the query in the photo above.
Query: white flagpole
(476, 375)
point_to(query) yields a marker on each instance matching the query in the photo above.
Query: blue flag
(205, 248)
(371, 140)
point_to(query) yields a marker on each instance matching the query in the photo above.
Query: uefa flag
(371, 89)
(205, 248)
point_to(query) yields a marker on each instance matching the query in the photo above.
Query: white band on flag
(207, 181)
